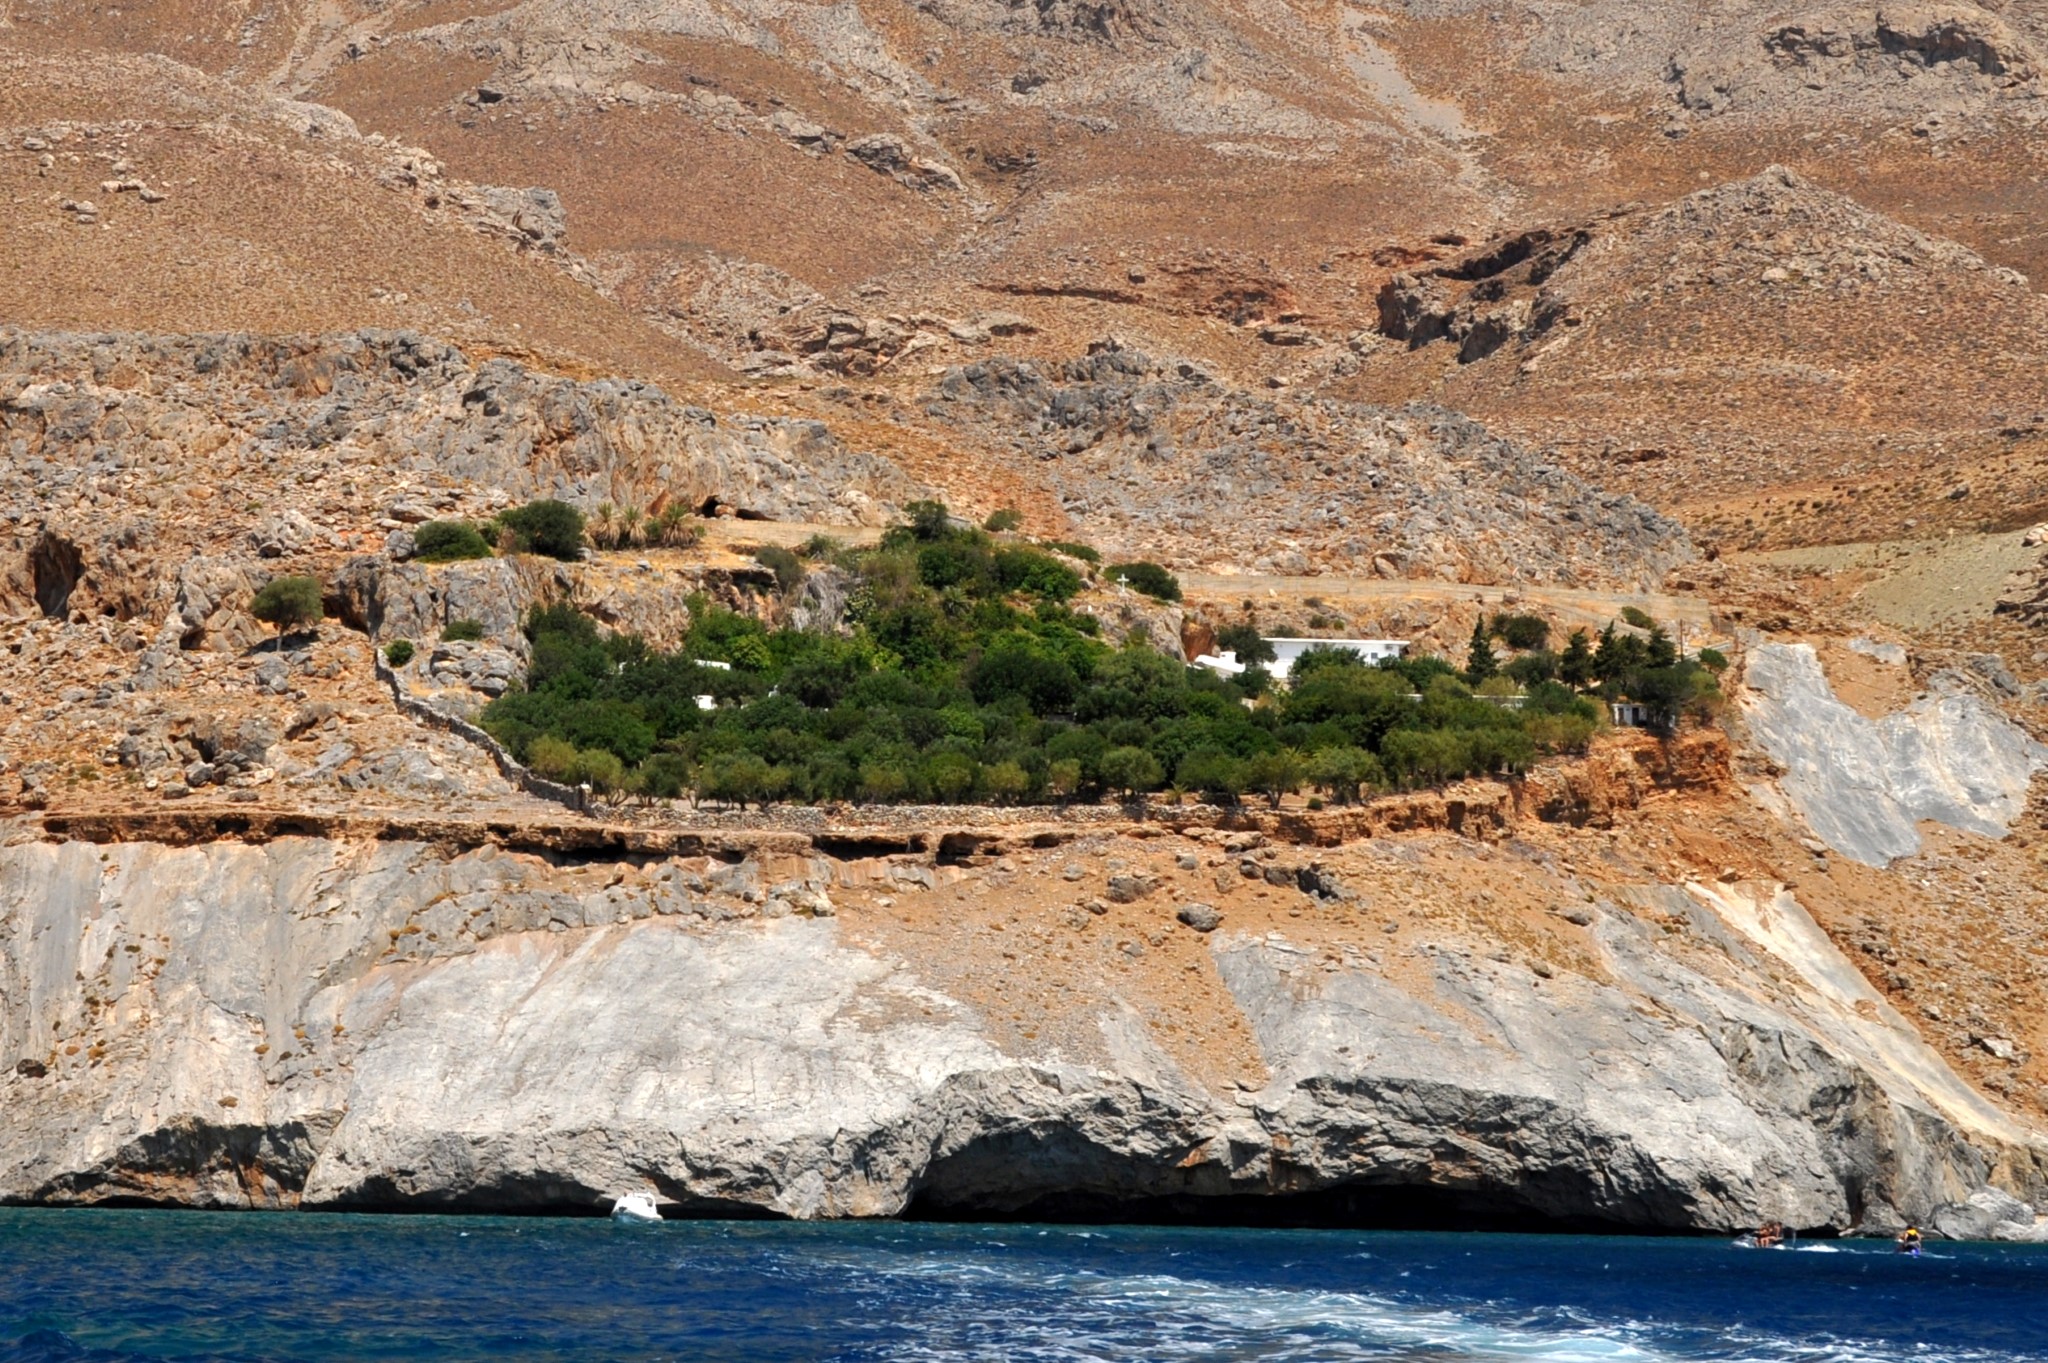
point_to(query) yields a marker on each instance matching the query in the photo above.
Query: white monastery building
(1287, 650)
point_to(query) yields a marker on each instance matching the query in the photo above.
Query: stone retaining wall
(569, 797)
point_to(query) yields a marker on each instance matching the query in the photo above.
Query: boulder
(284, 533)
(1129, 888)
(1988, 1214)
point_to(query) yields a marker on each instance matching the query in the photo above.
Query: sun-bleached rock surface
(1862, 784)
(311, 1022)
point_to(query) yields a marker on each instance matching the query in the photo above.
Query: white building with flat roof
(1285, 651)
(1371, 650)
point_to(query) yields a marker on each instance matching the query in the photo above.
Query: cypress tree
(1575, 667)
(1480, 662)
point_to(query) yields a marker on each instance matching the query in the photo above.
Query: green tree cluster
(1521, 632)
(1648, 668)
(1149, 578)
(1247, 643)
(547, 527)
(966, 677)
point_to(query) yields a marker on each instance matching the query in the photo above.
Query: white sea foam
(1160, 1318)
(1156, 1317)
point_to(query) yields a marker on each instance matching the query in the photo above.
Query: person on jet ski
(1909, 1240)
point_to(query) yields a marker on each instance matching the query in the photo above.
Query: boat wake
(1054, 1317)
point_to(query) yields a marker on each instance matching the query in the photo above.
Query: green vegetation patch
(547, 527)
(288, 604)
(449, 542)
(966, 677)
(1149, 578)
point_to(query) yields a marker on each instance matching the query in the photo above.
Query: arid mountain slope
(1183, 171)
(145, 195)
(1767, 337)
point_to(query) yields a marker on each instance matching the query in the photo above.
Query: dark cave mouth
(1346, 1207)
(1388, 1207)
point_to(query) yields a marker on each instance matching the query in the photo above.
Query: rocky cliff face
(312, 1022)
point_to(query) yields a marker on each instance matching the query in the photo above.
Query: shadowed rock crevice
(54, 566)
(195, 1162)
(1351, 1206)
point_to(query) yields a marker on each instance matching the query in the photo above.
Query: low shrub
(1149, 578)
(398, 652)
(449, 542)
(462, 631)
(547, 527)
(787, 567)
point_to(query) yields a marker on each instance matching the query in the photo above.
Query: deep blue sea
(121, 1285)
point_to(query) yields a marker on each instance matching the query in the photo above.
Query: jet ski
(1771, 1236)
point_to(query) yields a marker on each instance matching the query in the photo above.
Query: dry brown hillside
(1770, 273)
(1772, 360)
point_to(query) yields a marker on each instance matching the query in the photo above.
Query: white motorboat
(635, 1207)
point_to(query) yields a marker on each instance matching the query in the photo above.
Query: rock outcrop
(74, 408)
(1864, 785)
(1143, 450)
(388, 1024)
(1811, 323)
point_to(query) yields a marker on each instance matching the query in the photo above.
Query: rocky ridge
(1141, 452)
(1899, 424)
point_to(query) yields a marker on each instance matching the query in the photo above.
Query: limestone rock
(1864, 785)
(821, 602)
(417, 601)
(287, 532)
(1990, 1214)
(409, 1026)
(1141, 448)
(400, 400)
(1129, 888)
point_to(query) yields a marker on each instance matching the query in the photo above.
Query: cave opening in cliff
(54, 567)
(1345, 1207)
